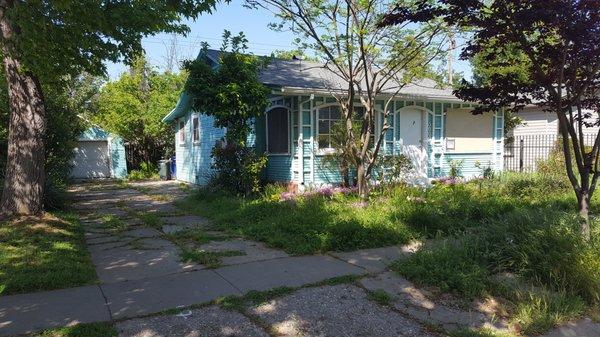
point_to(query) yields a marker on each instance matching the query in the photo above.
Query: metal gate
(522, 153)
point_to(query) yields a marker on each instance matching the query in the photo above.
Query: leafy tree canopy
(57, 38)
(231, 91)
(542, 52)
(133, 107)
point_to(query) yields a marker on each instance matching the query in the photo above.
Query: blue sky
(209, 28)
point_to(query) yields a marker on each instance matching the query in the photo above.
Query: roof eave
(304, 90)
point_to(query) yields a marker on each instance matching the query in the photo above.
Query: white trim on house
(181, 132)
(195, 142)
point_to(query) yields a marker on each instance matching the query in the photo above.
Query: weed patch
(380, 296)
(81, 330)
(206, 258)
(195, 236)
(113, 223)
(151, 220)
(479, 333)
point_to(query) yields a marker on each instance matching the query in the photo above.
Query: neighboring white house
(99, 154)
(534, 139)
(536, 121)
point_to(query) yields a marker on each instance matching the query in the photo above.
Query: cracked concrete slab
(157, 207)
(209, 321)
(254, 251)
(581, 328)
(377, 259)
(174, 224)
(342, 310)
(287, 271)
(139, 259)
(420, 304)
(26, 313)
(147, 296)
(142, 232)
(111, 211)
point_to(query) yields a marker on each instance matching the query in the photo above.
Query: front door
(413, 140)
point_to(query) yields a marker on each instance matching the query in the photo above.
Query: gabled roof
(305, 77)
(300, 75)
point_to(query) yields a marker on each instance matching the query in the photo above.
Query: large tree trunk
(583, 202)
(24, 180)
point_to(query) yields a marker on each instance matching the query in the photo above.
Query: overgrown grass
(541, 247)
(537, 311)
(43, 254)
(479, 333)
(81, 330)
(305, 226)
(449, 267)
(150, 219)
(341, 223)
(521, 224)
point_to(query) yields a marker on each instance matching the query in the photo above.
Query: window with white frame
(327, 118)
(182, 132)
(331, 115)
(278, 131)
(195, 129)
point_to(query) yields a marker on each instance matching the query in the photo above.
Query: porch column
(300, 145)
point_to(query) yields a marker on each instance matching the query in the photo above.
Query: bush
(238, 168)
(147, 171)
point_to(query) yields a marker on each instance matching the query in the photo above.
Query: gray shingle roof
(298, 74)
(312, 76)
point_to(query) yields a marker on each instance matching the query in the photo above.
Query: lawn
(303, 226)
(43, 254)
(520, 225)
(343, 222)
(81, 330)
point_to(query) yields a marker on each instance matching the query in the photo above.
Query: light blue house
(99, 154)
(429, 125)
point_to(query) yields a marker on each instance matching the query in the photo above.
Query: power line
(198, 45)
(186, 41)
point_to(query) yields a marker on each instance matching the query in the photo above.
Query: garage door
(91, 160)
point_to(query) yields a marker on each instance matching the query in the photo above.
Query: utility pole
(451, 57)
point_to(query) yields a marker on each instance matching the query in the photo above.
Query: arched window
(278, 128)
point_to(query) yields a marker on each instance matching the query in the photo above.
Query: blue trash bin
(173, 168)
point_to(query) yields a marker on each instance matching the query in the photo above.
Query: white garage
(99, 155)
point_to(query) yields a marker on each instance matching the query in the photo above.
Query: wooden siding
(304, 165)
(194, 159)
(117, 157)
(469, 161)
(116, 149)
(279, 168)
(536, 122)
(539, 122)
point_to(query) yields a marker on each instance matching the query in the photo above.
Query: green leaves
(58, 38)
(231, 91)
(133, 106)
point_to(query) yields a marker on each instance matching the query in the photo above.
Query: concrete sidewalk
(140, 270)
(28, 313)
